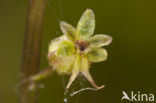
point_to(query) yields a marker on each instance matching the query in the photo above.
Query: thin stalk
(31, 51)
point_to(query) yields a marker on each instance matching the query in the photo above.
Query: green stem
(31, 50)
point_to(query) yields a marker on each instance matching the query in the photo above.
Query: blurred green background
(131, 65)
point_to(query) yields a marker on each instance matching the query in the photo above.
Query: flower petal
(97, 55)
(63, 65)
(75, 71)
(84, 64)
(68, 30)
(66, 48)
(99, 40)
(86, 25)
(54, 44)
(85, 72)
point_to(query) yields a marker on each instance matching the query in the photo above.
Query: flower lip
(81, 44)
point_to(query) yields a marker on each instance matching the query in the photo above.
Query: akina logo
(138, 96)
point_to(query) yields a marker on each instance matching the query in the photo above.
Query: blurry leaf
(86, 25)
(97, 55)
(68, 30)
(66, 48)
(99, 40)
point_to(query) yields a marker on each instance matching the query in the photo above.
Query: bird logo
(125, 96)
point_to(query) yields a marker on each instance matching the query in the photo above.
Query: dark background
(131, 64)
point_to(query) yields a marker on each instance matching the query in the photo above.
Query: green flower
(73, 52)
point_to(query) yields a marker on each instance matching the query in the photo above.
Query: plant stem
(31, 50)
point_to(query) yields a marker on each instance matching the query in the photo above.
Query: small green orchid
(73, 52)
